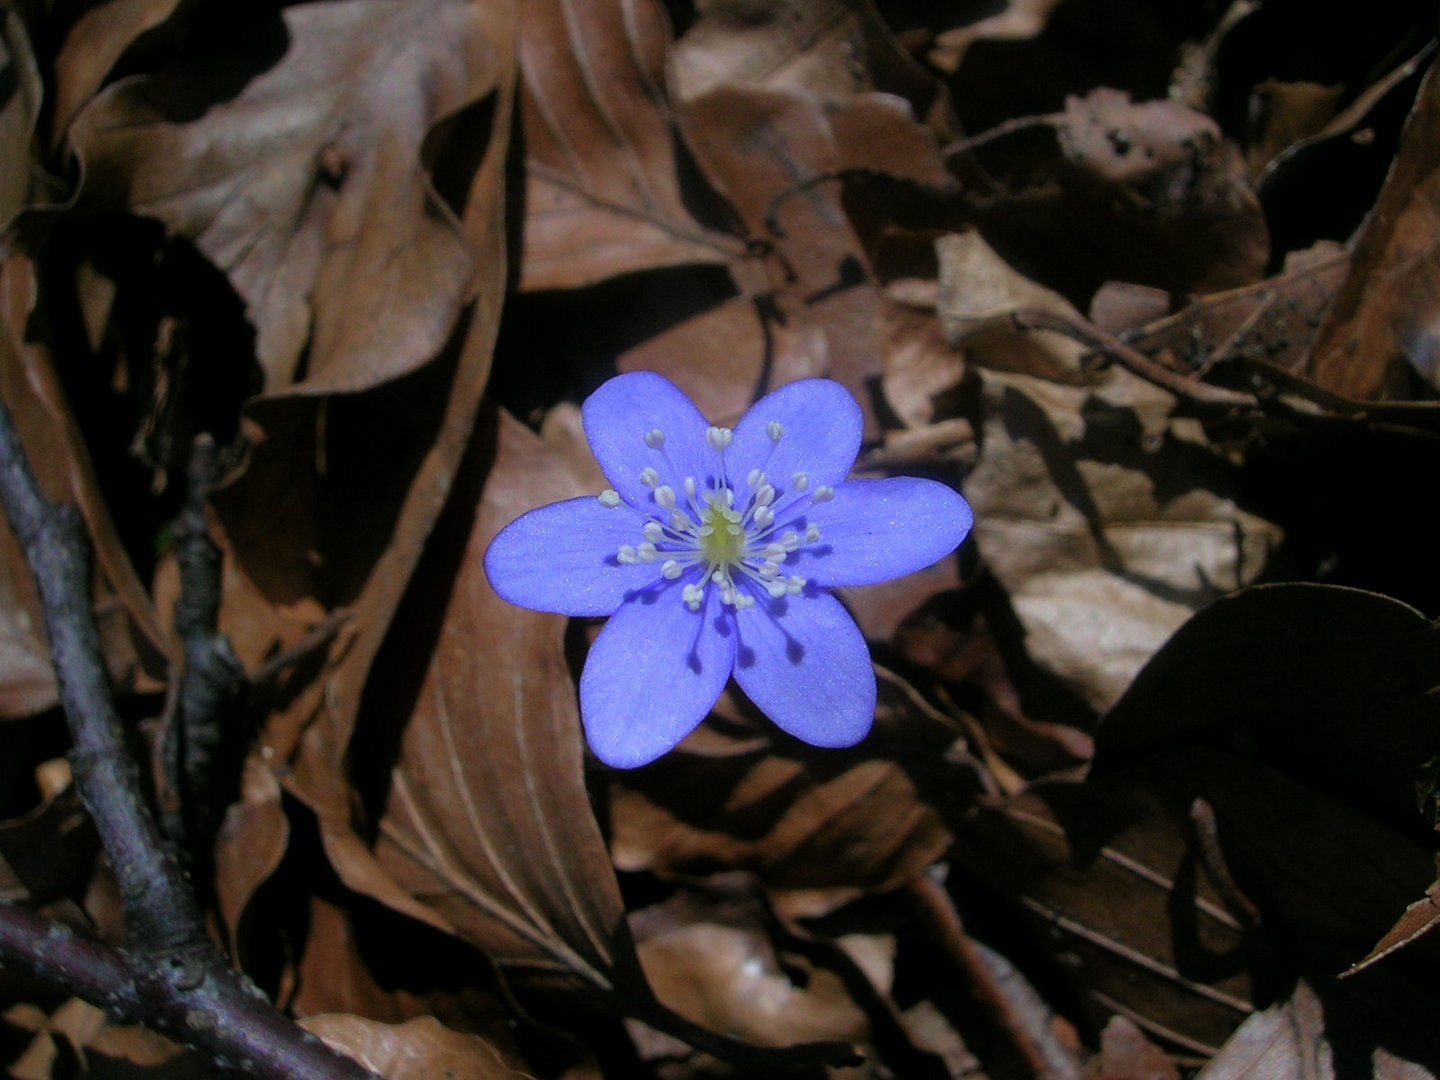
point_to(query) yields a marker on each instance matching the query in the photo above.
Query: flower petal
(653, 675)
(876, 530)
(620, 414)
(804, 663)
(822, 423)
(561, 558)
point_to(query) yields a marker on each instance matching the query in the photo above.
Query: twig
(194, 743)
(1133, 360)
(182, 985)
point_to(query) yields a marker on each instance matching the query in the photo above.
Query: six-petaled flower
(712, 554)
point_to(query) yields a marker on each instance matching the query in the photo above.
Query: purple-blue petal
(804, 663)
(876, 530)
(823, 425)
(619, 415)
(561, 558)
(653, 674)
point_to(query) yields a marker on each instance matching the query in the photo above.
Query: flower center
(706, 536)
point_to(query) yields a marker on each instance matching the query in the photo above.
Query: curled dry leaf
(340, 241)
(418, 1049)
(92, 47)
(604, 194)
(1015, 21)
(136, 647)
(1379, 340)
(19, 112)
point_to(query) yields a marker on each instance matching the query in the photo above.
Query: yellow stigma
(721, 533)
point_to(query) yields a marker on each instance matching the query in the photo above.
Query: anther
(670, 569)
(769, 570)
(692, 595)
(764, 517)
(626, 555)
(646, 552)
(655, 438)
(690, 488)
(800, 481)
(824, 493)
(654, 531)
(775, 430)
(776, 589)
(649, 477)
(665, 496)
(680, 521)
(812, 534)
(766, 495)
(755, 479)
(719, 438)
(609, 498)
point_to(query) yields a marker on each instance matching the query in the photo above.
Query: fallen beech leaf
(340, 241)
(249, 846)
(488, 823)
(1333, 686)
(827, 48)
(419, 1049)
(19, 110)
(719, 968)
(1126, 1054)
(604, 194)
(1107, 518)
(92, 47)
(1285, 1042)
(1379, 337)
(1108, 885)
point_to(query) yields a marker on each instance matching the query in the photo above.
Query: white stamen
(794, 585)
(665, 496)
(812, 534)
(775, 430)
(764, 517)
(626, 555)
(774, 552)
(776, 589)
(769, 570)
(680, 521)
(646, 552)
(653, 531)
(649, 477)
(609, 498)
(655, 438)
(690, 488)
(670, 569)
(755, 479)
(692, 595)
(800, 481)
(790, 541)
(719, 438)
(766, 495)
(824, 493)
(743, 601)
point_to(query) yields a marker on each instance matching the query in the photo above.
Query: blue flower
(712, 554)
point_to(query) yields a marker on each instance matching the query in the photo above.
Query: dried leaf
(418, 1049)
(340, 241)
(604, 190)
(136, 647)
(95, 43)
(719, 968)
(1108, 520)
(488, 822)
(1378, 341)
(19, 111)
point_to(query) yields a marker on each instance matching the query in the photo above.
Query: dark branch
(172, 978)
